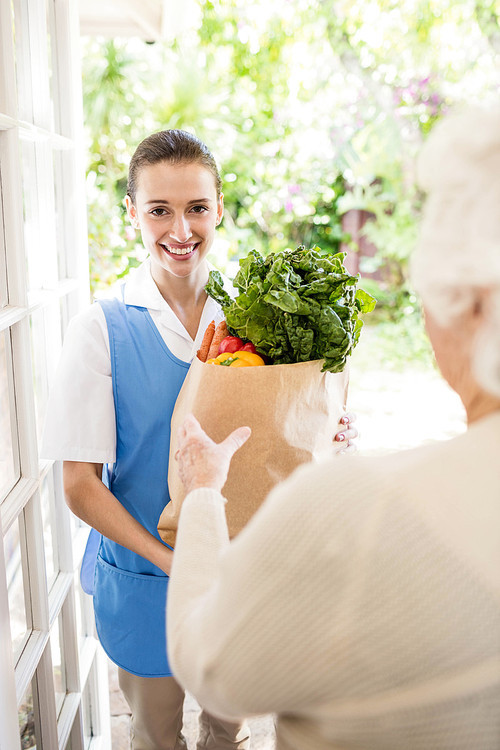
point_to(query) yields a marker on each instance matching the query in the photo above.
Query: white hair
(458, 252)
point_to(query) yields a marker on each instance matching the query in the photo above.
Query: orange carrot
(220, 333)
(206, 342)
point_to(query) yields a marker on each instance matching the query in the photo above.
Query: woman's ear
(132, 212)
(220, 209)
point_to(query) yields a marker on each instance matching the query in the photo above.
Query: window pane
(22, 60)
(26, 716)
(58, 668)
(77, 525)
(86, 710)
(38, 353)
(78, 610)
(60, 159)
(9, 464)
(15, 586)
(51, 41)
(3, 268)
(4, 298)
(64, 204)
(32, 239)
(49, 530)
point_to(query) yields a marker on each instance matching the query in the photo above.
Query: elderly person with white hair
(361, 604)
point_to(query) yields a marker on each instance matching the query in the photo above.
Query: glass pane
(58, 669)
(49, 530)
(9, 464)
(51, 41)
(22, 60)
(15, 585)
(26, 715)
(3, 266)
(86, 710)
(61, 159)
(64, 315)
(38, 353)
(78, 610)
(32, 239)
(77, 525)
(4, 299)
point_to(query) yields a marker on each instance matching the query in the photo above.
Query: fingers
(190, 424)
(350, 433)
(191, 428)
(237, 438)
(347, 449)
(344, 438)
(347, 418)
(201, 461)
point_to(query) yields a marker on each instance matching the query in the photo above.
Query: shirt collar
(141, 291)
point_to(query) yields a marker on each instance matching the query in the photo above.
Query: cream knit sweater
(361, 604)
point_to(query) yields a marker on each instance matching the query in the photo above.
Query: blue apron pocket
(130, 614)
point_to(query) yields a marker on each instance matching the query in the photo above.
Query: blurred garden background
(315, 111)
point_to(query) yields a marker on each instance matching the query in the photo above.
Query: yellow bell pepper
(252, 360)
(219, 359)
(237, 359)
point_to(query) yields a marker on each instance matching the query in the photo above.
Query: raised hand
(202, 462)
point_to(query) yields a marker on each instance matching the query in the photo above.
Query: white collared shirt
(80, 421)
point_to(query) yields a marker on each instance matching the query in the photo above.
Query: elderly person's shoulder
(473, 453)
(469, 456)
(452, 485)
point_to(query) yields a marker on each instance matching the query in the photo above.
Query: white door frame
(47, 645)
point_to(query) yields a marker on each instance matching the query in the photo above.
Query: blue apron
(129, 591)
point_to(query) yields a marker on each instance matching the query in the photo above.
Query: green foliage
(295, 306)
(312, 108)
(395, 342)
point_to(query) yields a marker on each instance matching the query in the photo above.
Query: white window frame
(41, 110)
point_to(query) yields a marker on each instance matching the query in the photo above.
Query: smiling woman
(148, 335)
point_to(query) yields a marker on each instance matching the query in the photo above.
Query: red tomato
(230, 344)
(248, 347)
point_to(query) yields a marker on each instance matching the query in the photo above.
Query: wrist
(199, 484)
(163, 557)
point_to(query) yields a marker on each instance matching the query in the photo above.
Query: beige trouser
(156, 704)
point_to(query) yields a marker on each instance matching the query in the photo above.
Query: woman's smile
(180, 252)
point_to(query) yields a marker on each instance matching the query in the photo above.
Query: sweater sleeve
(248, 620)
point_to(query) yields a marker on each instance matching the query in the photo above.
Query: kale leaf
(295, 306)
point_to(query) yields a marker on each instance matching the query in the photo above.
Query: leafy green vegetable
(295, 306)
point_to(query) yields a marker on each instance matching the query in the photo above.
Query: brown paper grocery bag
(293, 411)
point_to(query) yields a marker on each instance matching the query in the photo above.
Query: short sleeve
(80, 421)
